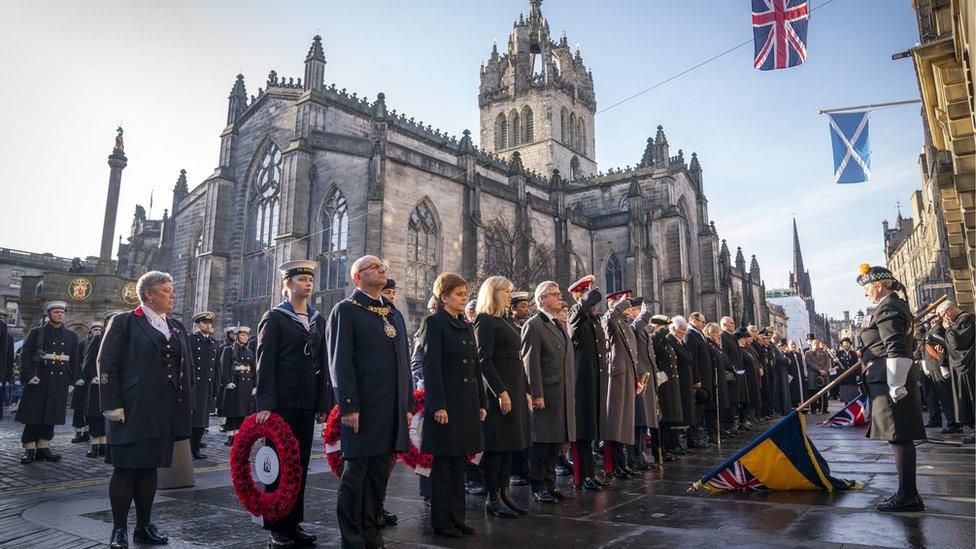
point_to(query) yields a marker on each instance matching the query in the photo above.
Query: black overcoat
(722, 367)
(590, 361)
(959, 351)
(646, 410)
(132, 376)
(44, 403)
(498, 353)
(452, 382)
(371, 375)
(685, 379)
(80, 392)
(738, 389)
(237, 367)
(205, 363)
(293, 362)
(93, 404)
(669, 392)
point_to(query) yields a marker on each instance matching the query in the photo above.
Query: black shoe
(559, 495)
(544, 497)
(101, 449)
(606, 483)
(697, 444)
(619, 473)
(464, 529)
(301, 537)
(92, 452)
(496, 508)
(229, 441)
(968, 439)
(199, 455)
(590, 484)
(29, 456)
(951, 430)
(933, 423)
(506, 498)
(222, 428)
(516, 480)
(278, 540)
(726, 432)
(120, 539)
(388, 518)
(448, 532)
(668, 456)
(81, 437)
(149, 535)
(476, 489)
(203, 444)
(45, 454)
(679, 450)
(901, 504)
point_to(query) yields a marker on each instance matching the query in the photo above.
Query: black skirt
(896, 421)
(142, 454)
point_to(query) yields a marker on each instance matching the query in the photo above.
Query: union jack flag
(736, 477)
(780, 31)
(856, 414)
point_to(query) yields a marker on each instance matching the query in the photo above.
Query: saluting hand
(505, 402)
(351, 420)
(262, 416)
(440, 416)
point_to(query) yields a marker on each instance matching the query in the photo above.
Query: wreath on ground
(420, 463)
(278, 503)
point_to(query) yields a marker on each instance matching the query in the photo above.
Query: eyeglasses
(380, 267)
(549, 294)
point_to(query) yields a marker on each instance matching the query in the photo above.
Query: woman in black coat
(237, 375)
(144, 385)
(506, 428)
(455, 403)
(676, 339)
(896, 405)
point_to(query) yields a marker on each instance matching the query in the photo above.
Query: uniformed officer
(622, 387)
(79, 394)
(646, 406)
(237, 375)
(230, 336)
(668, 386)
(519, 310)
(370, 372)
(93, 404)
(205, 353)
(49, 357)
(896, 406)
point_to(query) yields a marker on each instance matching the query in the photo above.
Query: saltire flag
(857, 413)
(782, 458)
(849, 141)
(779, 30)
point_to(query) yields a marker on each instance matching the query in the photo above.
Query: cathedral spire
(315, 65)
(740, 260)
(799, 278)
(237, 100)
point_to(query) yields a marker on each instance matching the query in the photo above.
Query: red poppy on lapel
(138, 311)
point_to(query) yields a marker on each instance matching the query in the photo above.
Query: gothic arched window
(564, 125)
(528, 125)
(571, 138)
(192, 270)
(332, 250)
(263, 206)
(624, 205)
(574, 168)
(498, 251)
(614, 274)
(581, 136)
(501, 131)
(515, 128)
(422, 240)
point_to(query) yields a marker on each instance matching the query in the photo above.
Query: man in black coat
(730, 346)
(704, 376)
(49, 358)
(205, 355)
(590, 346)
(79, 394)
(959, 349)
(370, 372)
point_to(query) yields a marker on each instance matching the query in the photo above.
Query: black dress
(498, 355)
(888, 335)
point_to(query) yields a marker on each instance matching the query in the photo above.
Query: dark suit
(205, 365)
(371, 375)
(703, 372)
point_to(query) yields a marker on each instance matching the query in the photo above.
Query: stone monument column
(117, 162)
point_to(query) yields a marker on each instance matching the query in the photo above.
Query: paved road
(66, 505)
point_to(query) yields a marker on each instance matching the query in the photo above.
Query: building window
(528, 132)
(501, 131)
(614, 274)
(498, 251)
(258, 265)
(16, 276)
(422, 239)
(574, 168)
(563, 125)
(332, 252)
(515, 127)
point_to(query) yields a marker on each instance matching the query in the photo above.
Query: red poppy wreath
(270, 505)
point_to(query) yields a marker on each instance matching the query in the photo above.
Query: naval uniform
(93, 404)
(293, 381)
(237, 368)
(205, 351)
(888, 335)
(49, 354)
(79, 395)
(590, 359)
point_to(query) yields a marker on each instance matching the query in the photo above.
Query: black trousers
(583, 459)
(302, 423)
(656, 444)
(497, 467)
(96, 426)
(711, 422)
(619, 454)
(447, 491)
(520, 463)
(78, 419)
(542, 465)
(669, 436)
(34, 433)
(943, 393)
(196, 435)
(362, 488)
(636, 450)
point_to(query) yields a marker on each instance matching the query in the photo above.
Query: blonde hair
(447, 283)
(711, 329)
(489, 301)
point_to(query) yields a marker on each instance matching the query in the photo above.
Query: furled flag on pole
(782, 458)
(857, 413)
(779, 28)
(849, 140)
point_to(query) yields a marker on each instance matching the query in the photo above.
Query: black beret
(390, 284)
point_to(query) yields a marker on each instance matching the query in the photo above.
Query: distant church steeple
(799, 277)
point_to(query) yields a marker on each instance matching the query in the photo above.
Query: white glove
(71, 388)
(79, 383)
(94, 380)
(231, 386)
(34, 380)
(117, 414)
(661, 378)
(897, 370)
(643, 307)
(945, 371)
(16, 382)
(254, 391)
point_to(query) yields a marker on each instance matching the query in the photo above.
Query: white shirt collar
(157, 321)
(552, 318)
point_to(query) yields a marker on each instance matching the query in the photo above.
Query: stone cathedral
(309, 170)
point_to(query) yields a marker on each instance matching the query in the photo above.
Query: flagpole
(871, 106)
(857, 365)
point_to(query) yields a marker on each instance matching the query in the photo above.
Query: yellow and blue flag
(782, 458)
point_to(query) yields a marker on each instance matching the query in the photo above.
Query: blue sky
(74, 70)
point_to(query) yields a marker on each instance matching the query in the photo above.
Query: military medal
(388, 329)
